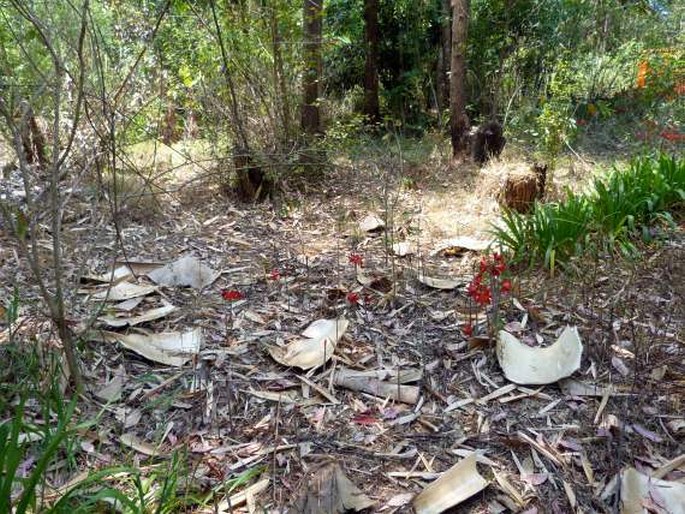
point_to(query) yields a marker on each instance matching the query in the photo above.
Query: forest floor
(234, 411)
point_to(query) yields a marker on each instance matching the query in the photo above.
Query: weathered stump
(487, 142)
(252, 183)
(519, 192)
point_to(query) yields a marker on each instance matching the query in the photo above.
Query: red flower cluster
(275, 275)
(356, 259)
(232, 295)
(494, 267)
(480, 292)
(352, 298)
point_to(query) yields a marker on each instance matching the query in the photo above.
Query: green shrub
(611, 217)
(552, 232)
(17, 492)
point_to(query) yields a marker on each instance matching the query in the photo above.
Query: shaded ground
(630, 316)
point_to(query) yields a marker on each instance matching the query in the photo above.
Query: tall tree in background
(312, 18)
(371, 108)
(443, 78)
(459, 122)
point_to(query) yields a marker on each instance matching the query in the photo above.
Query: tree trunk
(312, 14)
(279, 73)
(371, 108)
(443, 79)
(459, 123)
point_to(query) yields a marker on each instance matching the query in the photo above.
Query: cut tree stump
(520, 191)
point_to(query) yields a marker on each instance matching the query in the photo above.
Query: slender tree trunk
(279, 73)
(371, 108)
(459, 123)
(443, 79)
(312, 19)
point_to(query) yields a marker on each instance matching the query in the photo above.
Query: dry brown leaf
(329, 491)
(112, 391)
(638, 490)
(132, 441)
(229, 505)
(170, 348)
(277, 396)
(361, 381)
(371, 223)
(462, 244)
(570, 494)
(150, 315)
(676, 463)
(140, 267)
(124, 291)
(506, 389)
(402, 249)
(509, 489)
(620, 366)
(128, 305)
(375, 281)
(315, 348)
(186, 271)
(677, 426)
(523, 364)
(455, 485)
(121, 272)
(439, 283)
(573, 387)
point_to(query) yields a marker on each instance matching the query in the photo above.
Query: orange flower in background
(642, 71)
(674, 137)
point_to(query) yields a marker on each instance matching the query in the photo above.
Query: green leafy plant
(610, 217)
(17, 492)
(158, 492)
(551, 233)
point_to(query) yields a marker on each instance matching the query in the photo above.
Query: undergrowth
(622, 207)
(41, 431)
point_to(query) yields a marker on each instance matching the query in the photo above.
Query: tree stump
(519, 192)
(487, 142)
(252, 184)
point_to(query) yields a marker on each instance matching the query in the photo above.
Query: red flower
(498, 268)
(670, 135)
(275, 275)
(467, 329)
(471, 289)
(232, 295)
(365, 419)
(580, 122)
(506, 285)
(483, 265)
(356, 259)
(352, 297)
(482, 295)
